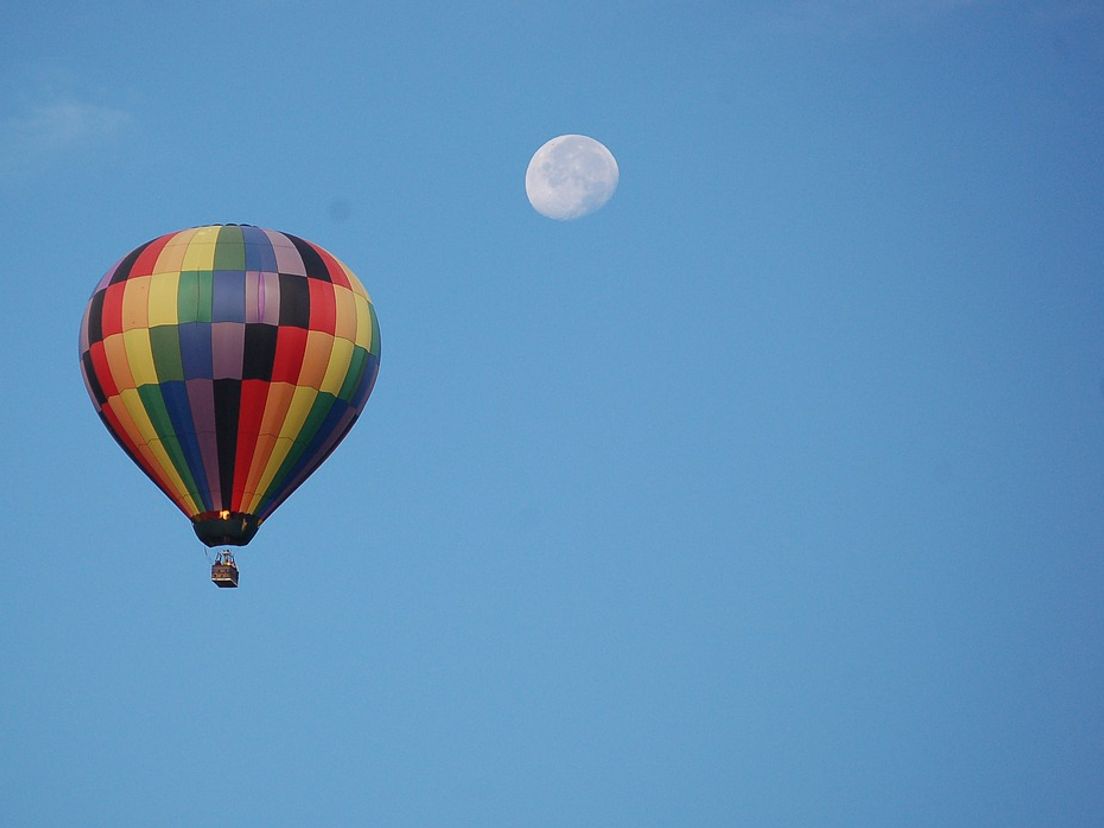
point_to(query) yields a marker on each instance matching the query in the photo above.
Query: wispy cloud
(55, 128)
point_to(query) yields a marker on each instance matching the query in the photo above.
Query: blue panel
(259, 254)
(195, 350)
(175, 395)
(228, 296)
(367, 381)
(309, 460)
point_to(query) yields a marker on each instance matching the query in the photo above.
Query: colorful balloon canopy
(228, 362)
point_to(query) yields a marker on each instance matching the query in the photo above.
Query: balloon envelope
(228, 361)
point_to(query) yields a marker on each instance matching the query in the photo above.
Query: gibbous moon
(570, 177)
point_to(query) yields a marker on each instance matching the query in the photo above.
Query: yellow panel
(162, 299)
(136, 303)
(279, 452)
(301, 402)
(346, 312)
(172, 254)
(364, 323)
(140, 356)
(276, 407)
(150, 458)
(137, 412)
(132, 414)
(355, 282)
(180, 494)
(201, 250)
(340, 358)
(207, 234)
(316, 358)
(261, 455)
(119, 407)
(115, 351)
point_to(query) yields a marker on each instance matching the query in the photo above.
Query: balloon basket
(224, 571)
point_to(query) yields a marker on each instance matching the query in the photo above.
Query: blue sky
(769, 494)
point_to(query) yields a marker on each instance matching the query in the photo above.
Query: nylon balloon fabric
(228, 361)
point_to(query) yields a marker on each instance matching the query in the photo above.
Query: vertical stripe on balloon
(228, 361)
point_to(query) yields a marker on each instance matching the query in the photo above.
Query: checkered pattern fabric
(228, 361)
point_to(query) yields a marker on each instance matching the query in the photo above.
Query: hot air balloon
(228, 361)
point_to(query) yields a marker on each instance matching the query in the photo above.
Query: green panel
(352, 378)
(187, 297)
(230, 249)
(206, 281)
(193, 301)
(154, 404)
(180, 461)
(322, 405)
(165, 344)
(374, 347)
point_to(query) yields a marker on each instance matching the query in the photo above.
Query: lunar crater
(571, 176)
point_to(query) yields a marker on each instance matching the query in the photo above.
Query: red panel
(102, 369)
(323, 306)
(279, 399)
(143, 265)
(254, 393)
(111, 320)
(337, 272)
(291, 343)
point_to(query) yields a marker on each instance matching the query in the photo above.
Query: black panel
(227, 409)
(260, 351)
(294, 301)
(316, 268)
(236, 530)
(93, 380)
(95, 317)
(122, 272)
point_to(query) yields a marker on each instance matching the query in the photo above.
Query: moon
(570, 176)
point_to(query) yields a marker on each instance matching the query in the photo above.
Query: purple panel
(201, 399)
(227, 347)
(270, 310)
(107, 276)
(262, 298)
(254, 296)
(84, 330)
(88, 386)
(288, 259)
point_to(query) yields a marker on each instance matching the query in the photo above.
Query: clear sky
(770, 494)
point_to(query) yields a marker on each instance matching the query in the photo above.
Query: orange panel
(316, 359)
